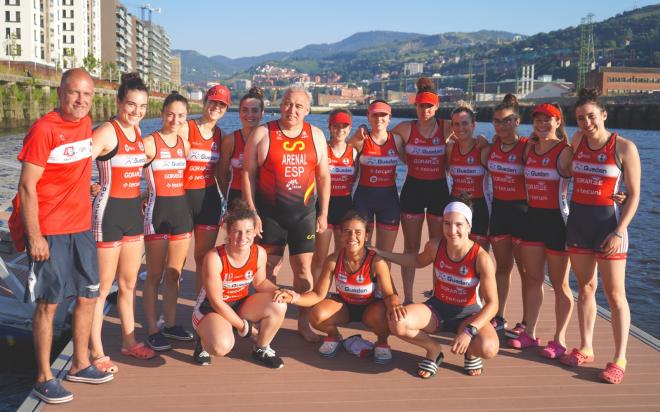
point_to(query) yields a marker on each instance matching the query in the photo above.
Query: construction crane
(587, 57)
(146, 11)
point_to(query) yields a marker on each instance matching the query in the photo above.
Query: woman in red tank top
(203, 136)
(376, 193)
(547, 173)
(166, 253)
(116, 144)
(465, 295)
(341, 159)
(364, 293)
(425, 192)
(508, 211)
(466, 160)
(605, 250)
(228, 271)
(250, 112)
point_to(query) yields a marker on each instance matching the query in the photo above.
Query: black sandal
(472, 365)
(427, 365)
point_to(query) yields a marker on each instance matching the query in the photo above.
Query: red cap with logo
(219, 93)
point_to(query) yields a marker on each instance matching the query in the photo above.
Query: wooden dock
(513, 380)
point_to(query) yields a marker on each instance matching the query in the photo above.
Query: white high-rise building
(56, 33)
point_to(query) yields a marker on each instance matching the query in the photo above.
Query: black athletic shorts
(205, 206)
(508, 219)
(545, 227)
(419, 195)
(379, 202)
(295, 227)
(480, 218)
(117, 220)
(71, 270)
(450, 317)
(588, 226)
(355, 312)
(337, 209)
(168, 217)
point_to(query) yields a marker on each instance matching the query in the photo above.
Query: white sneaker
(382, 354)
(329, 347)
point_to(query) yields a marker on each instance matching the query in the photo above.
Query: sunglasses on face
(506, 121)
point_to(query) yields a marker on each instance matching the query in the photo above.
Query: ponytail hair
(588, 96)
(254, 93)
(464, 107)
(509, 102)
(174, 97)
(130, 81)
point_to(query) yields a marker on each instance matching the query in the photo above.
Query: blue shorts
(381, 202)
(450, 317)
(71, 270)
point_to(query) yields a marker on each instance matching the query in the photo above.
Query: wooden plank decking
(308, 382)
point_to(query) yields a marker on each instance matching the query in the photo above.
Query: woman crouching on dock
(224, 302)
(364, 293)
(464, 274)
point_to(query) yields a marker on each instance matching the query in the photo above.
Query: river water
(642, 280)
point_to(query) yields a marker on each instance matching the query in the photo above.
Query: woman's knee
(399, 328)
(489, 347)
(219, 347)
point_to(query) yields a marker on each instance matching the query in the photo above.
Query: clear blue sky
(240, 28)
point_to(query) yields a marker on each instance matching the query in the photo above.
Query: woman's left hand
(611, 244)
(397, 312)
(461, 343)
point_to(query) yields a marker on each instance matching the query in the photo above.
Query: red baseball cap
(219, 93)
(547, 109)
(427, 97)
(380, 107)
(340, 117)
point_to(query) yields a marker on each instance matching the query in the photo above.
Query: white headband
(461, 208)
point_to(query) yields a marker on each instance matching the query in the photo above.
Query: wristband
(471, 331)
(617, 234)
(246, 325)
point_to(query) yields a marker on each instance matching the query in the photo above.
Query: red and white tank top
(360, 287)
(456, 283)
(165, 171)
(120, 172)
(426, 157)
(288, 176)
(342, 172)
(468, 175)
(508, 171)
(203, 157)
(546, 188)
(235, 281)
(378, 163)
(596, 173)
(236, 161)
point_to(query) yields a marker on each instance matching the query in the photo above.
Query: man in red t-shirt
(56, 212)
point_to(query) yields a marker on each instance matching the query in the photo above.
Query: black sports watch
(471, 330)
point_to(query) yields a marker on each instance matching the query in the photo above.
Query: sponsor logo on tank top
(237, 162)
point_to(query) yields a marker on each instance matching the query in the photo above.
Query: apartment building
(55, 33)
